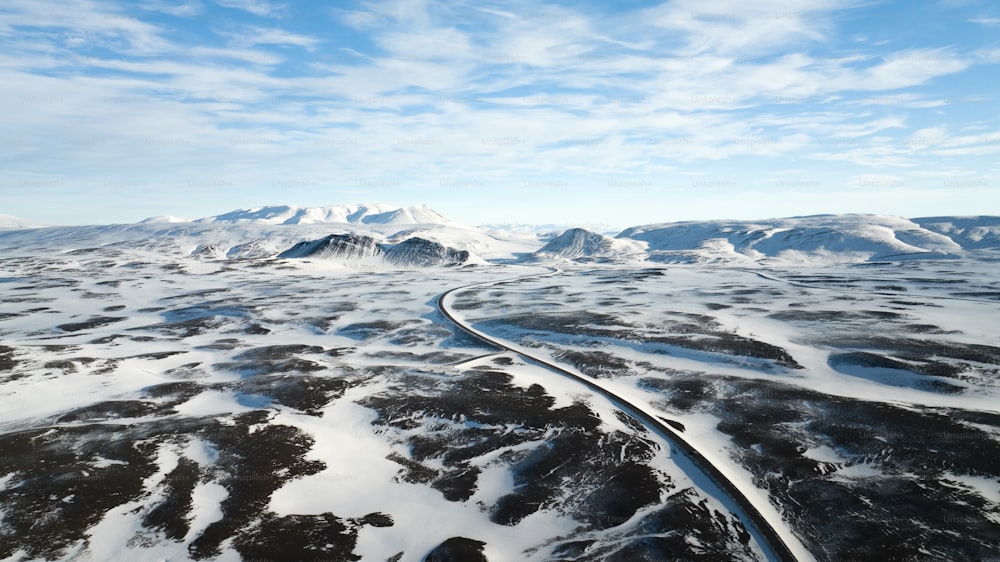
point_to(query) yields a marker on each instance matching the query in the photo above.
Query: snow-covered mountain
(340, 214)
(968, 232)
(267, 231)
(577, 243)
(842, 238)
(418, 252)
(336, 246)
(360, 249)
(10, 222)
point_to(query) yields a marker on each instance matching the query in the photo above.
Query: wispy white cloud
(910, 68)
(443, 44)
(253, 36)
(988, 56)
(179, 9)
(906, 100)
(81, 23)
(256, 7)
(253, 56)
(360, 19)
(746, 28)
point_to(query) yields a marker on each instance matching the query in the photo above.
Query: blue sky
(500, 112)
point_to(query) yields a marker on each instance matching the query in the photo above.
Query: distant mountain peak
(579, 243)
(10, 222)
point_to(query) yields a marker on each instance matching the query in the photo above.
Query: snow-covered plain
(172, 391)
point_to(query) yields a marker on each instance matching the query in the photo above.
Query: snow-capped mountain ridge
(264, 232)
(339, 214)
(818, 237)
(345, 246)
(969, 232)
(353, 248)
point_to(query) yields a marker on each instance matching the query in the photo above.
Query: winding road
(774, 543)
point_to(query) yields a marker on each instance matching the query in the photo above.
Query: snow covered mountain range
(276, 231)
(812, 239)
(349, 214)
(843, 238)
(267, 232)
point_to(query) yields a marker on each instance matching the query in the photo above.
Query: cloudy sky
(614, 113)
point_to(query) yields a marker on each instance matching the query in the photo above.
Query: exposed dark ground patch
(196, 294)
(185, 329)
(275, 359)
(223, 345)
(378, 328)
(50, 466)
(834, 315)
(662, 535)
(251, 466)
(936, 358)
(170, 514)
(916, 303)
(57, 492)
(95, 322)
(910, 510)
(28, 300)
(611, 472)
(7, 360)
(992, 295)
(113, 409)
(458, 549)
(597, 364)
(205, 317)
(304, 393)
(679, 329)
(892, 372)
(432, 358)
(299, 537)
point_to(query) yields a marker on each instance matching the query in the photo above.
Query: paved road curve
(769, 539)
